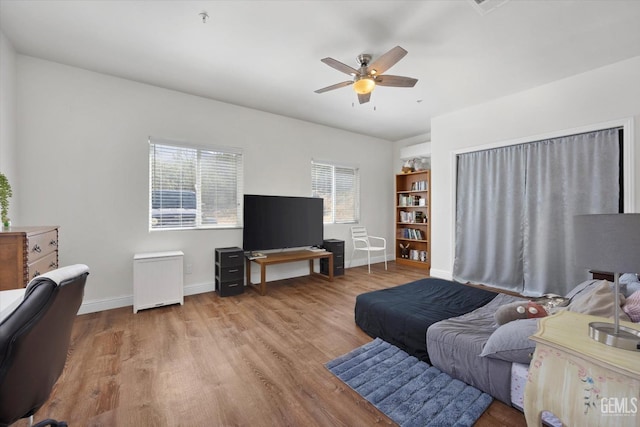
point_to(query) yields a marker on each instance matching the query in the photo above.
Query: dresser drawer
(40, 245)
(231, 273)
(46, 263)
(230, 258)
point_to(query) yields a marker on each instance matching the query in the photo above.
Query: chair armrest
(384, 241)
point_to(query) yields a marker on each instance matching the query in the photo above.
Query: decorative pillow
(632, 307)
(511, 343)
(597, 301)
(518, 310)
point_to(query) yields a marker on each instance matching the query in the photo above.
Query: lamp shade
(608, 242)
(364, 85)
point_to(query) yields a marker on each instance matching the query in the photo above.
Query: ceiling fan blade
(396, 81)
(387, 60)
(335, 86)
(340, 66)
(364, 97)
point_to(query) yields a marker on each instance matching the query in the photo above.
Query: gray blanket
(454, 346)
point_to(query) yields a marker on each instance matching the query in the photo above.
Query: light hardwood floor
(247, 360)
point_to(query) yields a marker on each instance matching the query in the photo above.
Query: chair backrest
(359, 232)
(34, 341)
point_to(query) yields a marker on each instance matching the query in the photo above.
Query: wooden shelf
(406, 197)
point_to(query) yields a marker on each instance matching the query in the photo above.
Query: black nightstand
(337, 248)
(229, 271)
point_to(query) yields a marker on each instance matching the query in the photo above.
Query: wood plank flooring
(247, 360)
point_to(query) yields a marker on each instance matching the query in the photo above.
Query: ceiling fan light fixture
(364, 85)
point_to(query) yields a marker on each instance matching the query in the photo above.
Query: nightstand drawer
(39, 245)
(42, 265)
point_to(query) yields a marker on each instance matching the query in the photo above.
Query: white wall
(602, 95)
(8, 140)
(83, 157)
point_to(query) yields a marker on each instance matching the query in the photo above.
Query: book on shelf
(409, 200)
(419, 186)
(412, 233)
(412, 217)
(416, 255)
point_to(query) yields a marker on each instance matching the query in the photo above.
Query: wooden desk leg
(247, 270)
(311, 267)
(263, 279)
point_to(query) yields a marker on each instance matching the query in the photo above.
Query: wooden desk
(581, 381)
(284, 257)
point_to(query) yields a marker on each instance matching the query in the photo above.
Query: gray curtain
(515, 208)
(490, 217)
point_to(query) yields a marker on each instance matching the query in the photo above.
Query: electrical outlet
(189, 268)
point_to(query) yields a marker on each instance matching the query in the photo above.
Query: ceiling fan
(369, 75)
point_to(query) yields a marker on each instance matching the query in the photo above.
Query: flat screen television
(279, 222)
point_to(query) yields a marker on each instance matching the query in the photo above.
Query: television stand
(284, 257)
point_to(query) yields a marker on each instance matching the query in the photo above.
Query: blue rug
(408, 390)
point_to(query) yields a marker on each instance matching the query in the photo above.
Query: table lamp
(610, 242)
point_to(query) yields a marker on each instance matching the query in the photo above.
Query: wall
(400, 144)
(601, 95)
(8, 140)
(84, 166)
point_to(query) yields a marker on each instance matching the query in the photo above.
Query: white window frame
(200, 149)
(355, 217)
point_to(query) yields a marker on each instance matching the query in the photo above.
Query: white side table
(157, 279)
(581, 381)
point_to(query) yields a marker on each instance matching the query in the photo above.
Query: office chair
(34, 341)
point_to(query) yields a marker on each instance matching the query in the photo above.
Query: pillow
(630, 288)
(583, 287)
(632, 307)
(627, 278)
(511, 343)
(596, 301)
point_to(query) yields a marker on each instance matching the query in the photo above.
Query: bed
(402, 314)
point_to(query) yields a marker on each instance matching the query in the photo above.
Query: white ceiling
(266, 54)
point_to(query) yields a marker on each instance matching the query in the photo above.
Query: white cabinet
(157, 279)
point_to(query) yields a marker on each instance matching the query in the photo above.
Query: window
(339, 187)
(194, 187)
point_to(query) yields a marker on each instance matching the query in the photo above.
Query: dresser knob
(53, 242)
(35, 274)
(36, 248)
(53, 264)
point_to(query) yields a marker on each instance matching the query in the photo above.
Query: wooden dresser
(26, 252)
(581, 381)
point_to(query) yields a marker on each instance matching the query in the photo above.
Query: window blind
(339, 187)
(194, 187)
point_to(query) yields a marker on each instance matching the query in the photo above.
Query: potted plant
(5, 193)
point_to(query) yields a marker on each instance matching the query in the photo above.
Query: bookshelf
(412, 217)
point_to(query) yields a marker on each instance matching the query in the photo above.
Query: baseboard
(441, 274)
(360, 261)
(105, 304)
(199, 288)
(127, 301)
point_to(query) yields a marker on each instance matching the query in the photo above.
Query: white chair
(362, 242)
